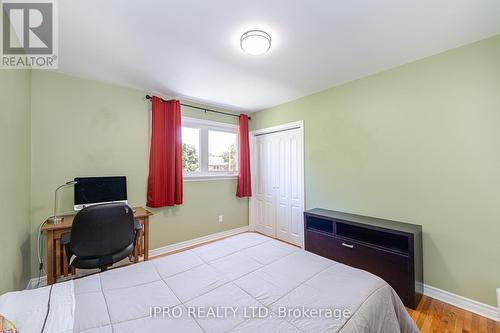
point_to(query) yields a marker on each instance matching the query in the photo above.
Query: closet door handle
(348, 245)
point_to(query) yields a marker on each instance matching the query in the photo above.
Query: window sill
(201, 178)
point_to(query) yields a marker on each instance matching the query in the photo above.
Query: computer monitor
(98, 190)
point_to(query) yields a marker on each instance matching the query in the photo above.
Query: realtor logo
(29, 34)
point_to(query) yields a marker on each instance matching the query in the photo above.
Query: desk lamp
(58, 219)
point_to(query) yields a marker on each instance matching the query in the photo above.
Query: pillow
(6, 326)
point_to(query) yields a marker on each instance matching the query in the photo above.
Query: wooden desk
(57, 260)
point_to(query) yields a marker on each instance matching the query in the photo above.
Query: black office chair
(100, 236)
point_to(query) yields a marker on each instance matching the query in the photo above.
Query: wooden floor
(435, 316)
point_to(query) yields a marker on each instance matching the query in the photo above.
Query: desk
(57, 260)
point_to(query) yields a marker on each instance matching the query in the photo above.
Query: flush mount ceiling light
(255, 42)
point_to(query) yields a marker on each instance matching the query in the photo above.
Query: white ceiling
(190, 48)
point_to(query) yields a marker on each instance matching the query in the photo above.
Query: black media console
(389, 249)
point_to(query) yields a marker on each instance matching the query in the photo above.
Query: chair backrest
(102, 230)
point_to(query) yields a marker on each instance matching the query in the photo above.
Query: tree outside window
(190, 160)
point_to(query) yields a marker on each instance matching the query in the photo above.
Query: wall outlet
(221, 218)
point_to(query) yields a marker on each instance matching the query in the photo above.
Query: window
(222, 151)
(209, 149)
(190, 149)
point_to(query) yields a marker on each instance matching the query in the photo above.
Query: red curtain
(165, 160)
(244, 188)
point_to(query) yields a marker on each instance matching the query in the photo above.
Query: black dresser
(389, 249)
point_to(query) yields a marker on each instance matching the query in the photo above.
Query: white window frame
(204, 126)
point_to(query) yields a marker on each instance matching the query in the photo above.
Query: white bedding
(28, 309)
(215, 288)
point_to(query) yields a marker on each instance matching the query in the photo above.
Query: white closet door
(264, 196)
(277, 201)
(289, 211)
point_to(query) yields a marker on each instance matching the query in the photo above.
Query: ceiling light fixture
(255, 42)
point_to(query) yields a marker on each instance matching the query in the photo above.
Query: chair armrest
(137, 225)
(66, 238)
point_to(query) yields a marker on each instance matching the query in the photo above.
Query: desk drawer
(392, 267)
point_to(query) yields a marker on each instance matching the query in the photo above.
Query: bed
(244, 283)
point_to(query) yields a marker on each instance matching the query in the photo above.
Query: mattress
(245, 283)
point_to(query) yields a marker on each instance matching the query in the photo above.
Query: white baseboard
(197, 241)
(465, 303)
(32, 284)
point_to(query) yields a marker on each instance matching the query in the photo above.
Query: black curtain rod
(202, 109)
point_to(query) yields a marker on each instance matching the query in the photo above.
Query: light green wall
(419, 143)
(14, 179)
(86, 128)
